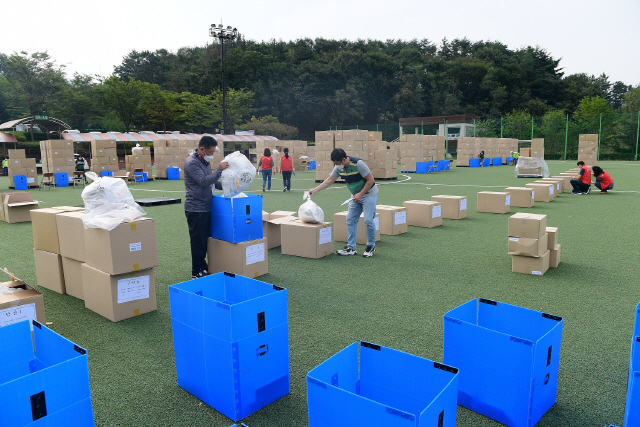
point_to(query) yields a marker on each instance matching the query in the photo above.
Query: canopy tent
(7, 137)
(51, 124)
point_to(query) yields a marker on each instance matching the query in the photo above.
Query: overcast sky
(92, 36)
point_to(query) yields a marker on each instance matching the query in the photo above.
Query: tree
(80, 101)
(631, 102)
(593, 105)
(125, 99)
(198, 111)
(270, 125)
(239, 105)
(345, 106)
(161, 107)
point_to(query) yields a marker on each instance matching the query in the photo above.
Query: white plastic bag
(309, 211)
(238, 176)
(108, 202)
(137, 150)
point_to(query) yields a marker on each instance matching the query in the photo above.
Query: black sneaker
(576, 193)
(200, 275)
(347, 251)
(284, 189)
(588, 191)
(369, 251)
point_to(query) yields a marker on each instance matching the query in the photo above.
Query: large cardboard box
(45, 227)
(554, 257)
(566, 181)
(307, 240)
(249, 258)
(525, 152)
(340, 232)
(527, 246)
(423, 213)
(70, 232)
(524, 224)
(49, 270)
(521, 197)
(531, 265)
(559, 189)
(553, 237)
(588, 137)
(271, 228)
(453, 207)
(25, 304)
(16, 207)
(72, 271)
(555, 185)
(393, 219)
(131, 246)
(121, 296)
(494, 202)
(543, 192)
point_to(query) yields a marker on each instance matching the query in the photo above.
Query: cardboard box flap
(15, 205)
(282, 219)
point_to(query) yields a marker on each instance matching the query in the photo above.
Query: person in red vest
(604, 182)
(582, 182)
(286, 167)
(266, 164)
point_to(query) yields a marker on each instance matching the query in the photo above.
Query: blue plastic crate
(62, 179)
(383, 387)
(312, 165)
(474, 163)
(48, 387)
(497, 161)
(106, 173)
(236, 219)
(173, 173)
(508, 358)
(509, 159)
(632, 409)
(231, 342)
(145, 177)
(443, 165)
(20, 182)
(487, 162)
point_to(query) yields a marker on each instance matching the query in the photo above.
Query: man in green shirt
(362, 186)
(515, 156)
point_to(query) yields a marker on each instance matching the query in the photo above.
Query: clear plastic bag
(309, 211)
(531, 166)
(108, 202)
(238, 176)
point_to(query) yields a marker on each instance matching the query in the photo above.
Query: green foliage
(125, 99)
(632, 100)
(79, 102)
(270, 125)
(161, 107)
(198, 110)
(593, 105)
(239, 106)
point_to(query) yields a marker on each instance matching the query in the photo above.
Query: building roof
(437, 120)
(48, 123)
(7, 137)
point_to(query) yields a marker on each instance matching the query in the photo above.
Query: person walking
(481, 157)
(81, 166)
(603, 182)
(582, 182)
(266, 164)
(362, 186)
(5, 167)
(286, 168)
(198, 182)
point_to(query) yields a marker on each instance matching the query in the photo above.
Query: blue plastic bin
(312, 165)
(487, 162)
(443, 165)
(231, 342)
(383, 387)
(509, 159)
(20, 182)
(632, 411)
(106, 173)
(62, 179)
(422, 167)
(508, 358)
(145, 176)
(474, 163)
(48, 383)
(236, 219)
(173, 173)
(497, 161)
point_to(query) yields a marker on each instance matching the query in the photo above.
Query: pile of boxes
(104, 157)
(23, 169)
(300, 153)
(166, 155)
(536, 149)
(271, 223)
(15, 206)
(57, 158)
(588, 149)
(382, 157)
(417, 148)
(496, 151)
(141, 159)
(111, 270)
(534, 246)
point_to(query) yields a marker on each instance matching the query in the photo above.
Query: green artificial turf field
(396, 299)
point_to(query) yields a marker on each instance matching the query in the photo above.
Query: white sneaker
(369, 251)
(347, 251)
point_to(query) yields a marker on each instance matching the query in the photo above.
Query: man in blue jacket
(199, 181)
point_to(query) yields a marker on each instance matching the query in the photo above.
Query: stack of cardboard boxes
(417, 148)
(298, 151)
(104, 157)
(140, 160)
(57, 157)
(588, 149)
(536, 149)
(496, 150)
(19, 165)
(166, 154)
(534, 246)
(325, 143)
(383, 158)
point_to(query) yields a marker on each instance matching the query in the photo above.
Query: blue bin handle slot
(262, 350)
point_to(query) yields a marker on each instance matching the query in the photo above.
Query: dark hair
(597, 170)
(286, 153)
(207, 142)
(338, 154)
(267, 152)
(580, 163)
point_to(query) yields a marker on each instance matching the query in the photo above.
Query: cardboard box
(530, 265)
(45, 227)
(131, 246)
(16, 207)
(528, 225)
(543, 192)
(72, 271)
(521, 197)
(120, 296)
(26, 304)
(453, 207)
(423, 213)
(307, 240)
(494, 202)
(553, 237)
(588, 137)
(49, 270)
(555, 185)
(272, 231)
(70, 232)
(340, 232)
(559, 184)
(393, 219)
(17, 154)
(249, 258)
(525, 246)
(554, 257)
(525, 152)
(566, 181)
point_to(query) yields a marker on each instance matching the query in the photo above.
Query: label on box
(537, 273)
(324, 236)
(18, 313)
(551, 190)
(436, 212)
(376, 220)
(463, 204)
(400, 218)
(133, 247)
(533, 192)
(254, 253)
(31, 180)
(513, 239)
(133, 289)
(507, 201)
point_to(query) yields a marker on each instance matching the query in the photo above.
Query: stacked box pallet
(325, 143)
(166, 154)
(537, 147)
(20, 165)
(103, 156)
(528, 243)
(434, 147)
(139, 160)
(466, 151)
(382, 157)
(412, 151)
(588, 149)
(355, 143)
(505, 146)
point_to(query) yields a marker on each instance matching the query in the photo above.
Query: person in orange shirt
(604, 182)
(266, 164)
(582, 183)
(286, 168)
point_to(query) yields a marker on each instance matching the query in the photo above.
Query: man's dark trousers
(199, 232)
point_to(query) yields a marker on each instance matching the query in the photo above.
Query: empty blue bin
(20, 182)
(106, 173)
(497, 161)
(145, 176)
(508, 358)
(62, 179)
(312, 165)
(44, 382)
(443, 165)
(236, 219)
(381, 387)
(173, 173)
(231, 342)
(632, 409)
(487, 162)
(474, 163)
(422, 167)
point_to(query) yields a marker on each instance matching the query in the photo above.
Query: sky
(92, 37)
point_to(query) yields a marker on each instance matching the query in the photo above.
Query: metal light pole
(223, 34)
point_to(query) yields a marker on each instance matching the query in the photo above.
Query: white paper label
(507, 201)
(254, 253)
(400, 218)
(537, 273)
(133, 288)
(17, 314)
(324, 236)
(436, 212)
(31, 180)
(463, 204)
(377, 222)
(533, 192)
(513, 239)
(133, 247)
(551, 190)
(558, 186)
